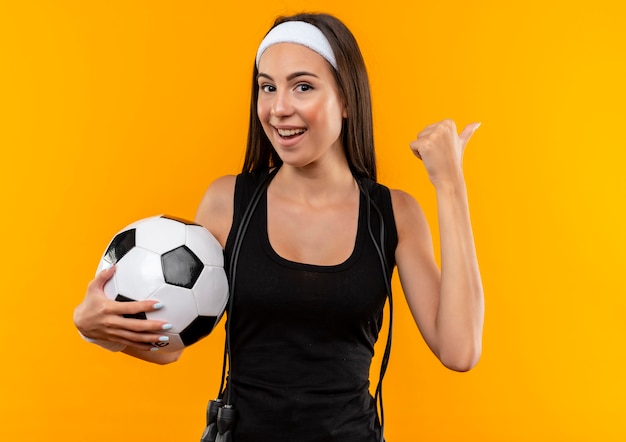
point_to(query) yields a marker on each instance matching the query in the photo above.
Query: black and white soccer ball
(177, 262)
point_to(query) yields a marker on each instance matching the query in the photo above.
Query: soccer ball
(176, 262)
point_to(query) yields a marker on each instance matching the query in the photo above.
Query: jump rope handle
(226, 417)
(210, 432)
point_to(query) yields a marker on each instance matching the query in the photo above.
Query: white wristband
(111, 346)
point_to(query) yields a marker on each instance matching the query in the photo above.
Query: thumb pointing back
(467, 133)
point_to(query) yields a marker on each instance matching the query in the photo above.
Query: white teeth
(290, 132)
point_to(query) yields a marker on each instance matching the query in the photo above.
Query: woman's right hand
(100, 318)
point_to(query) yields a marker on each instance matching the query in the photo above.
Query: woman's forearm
(460, 315)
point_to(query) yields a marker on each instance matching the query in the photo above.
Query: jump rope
(221, 416)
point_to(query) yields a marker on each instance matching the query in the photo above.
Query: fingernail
(166, 327)
(158, 305)
(154, 349)
(164, 338)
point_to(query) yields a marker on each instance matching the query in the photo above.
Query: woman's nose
(281, 104)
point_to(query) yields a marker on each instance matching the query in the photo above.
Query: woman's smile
(290, 133)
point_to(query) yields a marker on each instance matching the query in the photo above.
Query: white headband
(301, 33)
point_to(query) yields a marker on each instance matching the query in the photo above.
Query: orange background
(114, 111)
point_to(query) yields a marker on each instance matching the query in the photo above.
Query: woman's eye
(267, 88)
(304, 87)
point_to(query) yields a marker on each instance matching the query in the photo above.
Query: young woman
(310, 288)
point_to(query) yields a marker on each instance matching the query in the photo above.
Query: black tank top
(302, 336)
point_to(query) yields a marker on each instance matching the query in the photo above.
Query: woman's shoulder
(404, 203)
(408, 213)
(215, 211)
(220, 192)
(402, 199)
(217, 207)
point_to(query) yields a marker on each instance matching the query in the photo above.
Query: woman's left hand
(441, 149)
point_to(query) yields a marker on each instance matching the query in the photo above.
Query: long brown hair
(353, 84)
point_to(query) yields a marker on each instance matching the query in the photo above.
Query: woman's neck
(314, 185)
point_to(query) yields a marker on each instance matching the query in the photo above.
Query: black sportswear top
(302, 336)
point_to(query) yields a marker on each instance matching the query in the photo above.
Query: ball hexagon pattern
(177, 262)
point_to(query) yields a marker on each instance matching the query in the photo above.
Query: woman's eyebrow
(289, 77)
